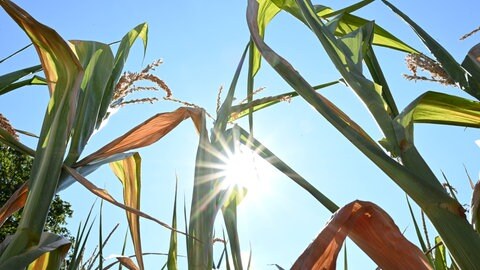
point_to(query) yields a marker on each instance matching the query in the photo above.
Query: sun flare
(244, 169)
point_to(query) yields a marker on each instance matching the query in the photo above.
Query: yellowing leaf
(372, 230)
(128, 263)
(128, 172)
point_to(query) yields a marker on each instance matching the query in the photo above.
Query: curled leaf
(372, 230)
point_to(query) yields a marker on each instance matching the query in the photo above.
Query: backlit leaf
(372, 230)
(146, 133)
(128, 172)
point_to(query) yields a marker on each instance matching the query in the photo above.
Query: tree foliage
(15, 169)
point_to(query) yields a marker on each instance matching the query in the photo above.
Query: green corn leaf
(414, 185)
(64, 74)
(440, 262)
(97, 60)
(472, 61)
(80, 242)
(206, 197)
(241, 110)
(234, 196)
(468, 83)
(348, 9)
(417, 229)
(439, 108)
(271, 158)
(8, 81)
(475, 207)
(140, 31)
(224, 111)
(128, 172)
(35, 80)
(7, 139)
(46, 255)
(172, 251)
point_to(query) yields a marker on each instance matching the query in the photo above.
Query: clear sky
(201, 43)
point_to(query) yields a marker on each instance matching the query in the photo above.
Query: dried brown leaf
(14, 203)
(147, 133)
(372, 230)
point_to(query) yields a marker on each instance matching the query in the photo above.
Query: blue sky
(201, 43)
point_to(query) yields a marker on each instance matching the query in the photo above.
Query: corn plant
(348, 42)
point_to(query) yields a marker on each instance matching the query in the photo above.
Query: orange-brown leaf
(128, 263)
(14, 203)
(372, 230)
(147, 133)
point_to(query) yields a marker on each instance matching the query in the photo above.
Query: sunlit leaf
(172, 251)
(140, 31)
(468, 83)
(146, 133)
(271, 158)
(128, 263)
(128, 172)
(440, 262)
(97, 60)
(439, 108)
(372, 230)
(48, 243)
(64, 74)
(241, 110)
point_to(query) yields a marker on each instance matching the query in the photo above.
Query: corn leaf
(146, 133)
(97, 60)
(172, 251)
(64, 74)
(440, 262)
(475, 207)
(276, 162)
(415, 186)
(51, 260)
(14, 203)
(35, 80)
(128, 263)
(439, 108)
(128, 172)
(472, 61)
(225, 109)
(229, 211)
(80, 242)
(10, 81)
(102, 193)
(204, 206)
(10, 141)
(241, 110)
(49, 242)
(140, 31)
(468, 83)
(372, 230)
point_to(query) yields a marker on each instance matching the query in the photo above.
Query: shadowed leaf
(128, 172)
(475, 207)
(8, 80)
(14, 203)
(64, 74)
(50, 260)
(372, 230)
(48, 243)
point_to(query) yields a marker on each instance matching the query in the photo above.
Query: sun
(244, 169)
